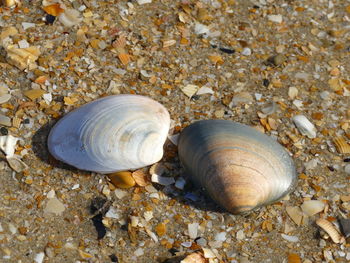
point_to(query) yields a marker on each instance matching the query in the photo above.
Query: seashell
(294, 258)
(195, 257)
(239, 167)
(304, 126)
(70, 17)
(115, 133)
(312, 207)
(330, 229)
(341, 145)
(8, 145)
(122, 179)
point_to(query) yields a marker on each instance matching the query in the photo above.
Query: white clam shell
(304, 126)
(111, 134)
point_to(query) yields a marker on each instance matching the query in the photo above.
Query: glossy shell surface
(111, 134)
(239, 167)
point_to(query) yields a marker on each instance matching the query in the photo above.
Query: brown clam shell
(239, 167)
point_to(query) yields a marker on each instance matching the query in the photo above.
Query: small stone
(277, 60)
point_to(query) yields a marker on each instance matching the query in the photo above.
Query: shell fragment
(304, 126)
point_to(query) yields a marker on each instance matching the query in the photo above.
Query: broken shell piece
(16, 163)
(162, 180)
(304, 126)
(8, 145)
(189, 90)
(11, 3)
(140, 177)
(194, 258)
(70, 17)
(5, 98)
(295, 214)
(341, 145)
(312, 207)
(270, 108)
(23, 58)
(331, 230)
(292, 92)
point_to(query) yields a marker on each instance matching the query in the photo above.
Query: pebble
(277, 60)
